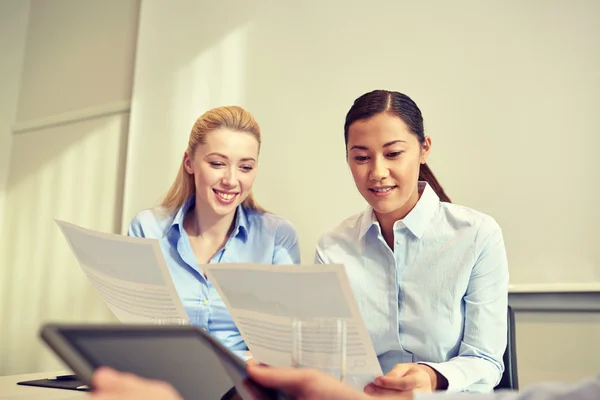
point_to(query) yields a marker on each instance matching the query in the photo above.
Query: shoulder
(484, 230)
(346, 232)
(462, 216)
(150, 223)
(269, 224)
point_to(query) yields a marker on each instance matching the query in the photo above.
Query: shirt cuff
(452, 373)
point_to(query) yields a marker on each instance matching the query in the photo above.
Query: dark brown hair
(384, 101)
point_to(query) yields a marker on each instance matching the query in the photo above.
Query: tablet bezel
(56, 336)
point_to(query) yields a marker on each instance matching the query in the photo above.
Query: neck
(387, 220)
(208, 225)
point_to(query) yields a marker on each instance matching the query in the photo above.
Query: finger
(406, 382)
(105, 378)
(400, 370)
(376, 391)
(288, 379)
(108, 380)
(401, 377)
(409, 381)
(103, 396)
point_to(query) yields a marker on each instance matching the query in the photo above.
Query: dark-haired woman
(430, 277)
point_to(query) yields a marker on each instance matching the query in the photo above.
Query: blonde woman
(210, 216)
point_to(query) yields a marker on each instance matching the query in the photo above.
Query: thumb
(288, 379)
(105, 378)
(400, 370)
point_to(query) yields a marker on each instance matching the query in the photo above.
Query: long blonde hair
(230, 117)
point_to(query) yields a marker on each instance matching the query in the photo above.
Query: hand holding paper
(264, 300)
(130, 273)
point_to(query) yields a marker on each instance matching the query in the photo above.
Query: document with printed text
(130, 274)
(264, 300)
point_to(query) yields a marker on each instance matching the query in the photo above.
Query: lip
(225, 191)
(382, 194)
(223, 200)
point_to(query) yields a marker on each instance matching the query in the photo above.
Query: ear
(187, 163)
(425, 149)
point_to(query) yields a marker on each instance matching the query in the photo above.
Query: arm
(484, 339)
(320, 257)
(135, 228)
(287, 249)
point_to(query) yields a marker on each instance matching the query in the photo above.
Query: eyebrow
(227, 158)
(388, 144)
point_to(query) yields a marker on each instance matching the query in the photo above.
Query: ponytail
(425, 174)
(183, 187)
(403, 107)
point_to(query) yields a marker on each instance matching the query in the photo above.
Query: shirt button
(205, 302)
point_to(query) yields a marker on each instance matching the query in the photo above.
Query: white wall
(13, 28)
(509, 91)
(297, 66)
(67, 161)
(79, 56)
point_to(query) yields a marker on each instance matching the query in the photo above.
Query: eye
(246, 168)
(395, 154)
(361, 159)
(216, 164)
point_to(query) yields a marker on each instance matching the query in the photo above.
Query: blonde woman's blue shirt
(438, 297)
(256, 238)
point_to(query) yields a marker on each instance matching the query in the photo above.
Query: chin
(223, 210)
(383, 210)
(387, 206)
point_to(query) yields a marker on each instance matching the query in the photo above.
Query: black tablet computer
(190, 359)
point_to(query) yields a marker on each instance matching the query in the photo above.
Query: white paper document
(130, 274)
(264, 300)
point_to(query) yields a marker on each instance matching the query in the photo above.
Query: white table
(9, 390)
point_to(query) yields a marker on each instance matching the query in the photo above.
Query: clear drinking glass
(170, 321)
(320, 343)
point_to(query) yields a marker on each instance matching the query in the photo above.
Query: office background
(98, 99)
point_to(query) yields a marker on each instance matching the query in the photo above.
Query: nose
(229, 177)
(379, 170)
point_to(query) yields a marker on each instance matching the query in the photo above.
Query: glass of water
(170, 321)
(320, 343)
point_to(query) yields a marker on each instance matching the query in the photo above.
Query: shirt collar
(416, 221)
(241, 223)
(368, 221)
(241, 220)
(419, 217)
(180, 215)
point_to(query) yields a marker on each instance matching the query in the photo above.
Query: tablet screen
(182, 358)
